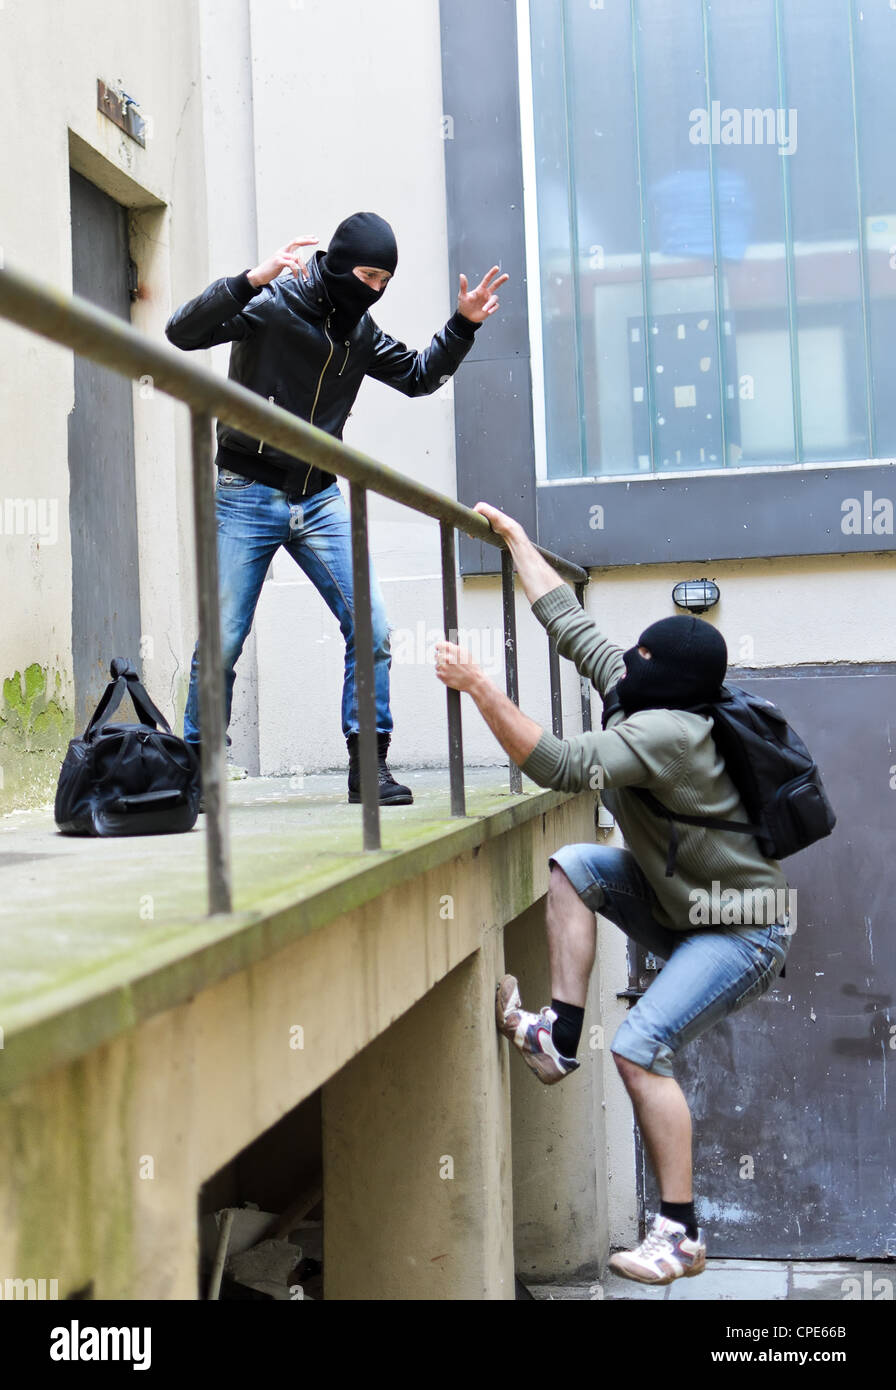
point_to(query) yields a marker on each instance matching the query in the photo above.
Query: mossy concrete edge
(59, 1025)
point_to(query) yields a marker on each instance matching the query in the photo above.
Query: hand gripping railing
(75, 323)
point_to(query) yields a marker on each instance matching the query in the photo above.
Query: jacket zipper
(261, 441)
(317, 393)
(342, 368)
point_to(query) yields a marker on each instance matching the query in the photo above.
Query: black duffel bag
(127, 779)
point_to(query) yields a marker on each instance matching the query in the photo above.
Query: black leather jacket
(282, 350)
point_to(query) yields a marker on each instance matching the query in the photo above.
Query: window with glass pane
(716, 195)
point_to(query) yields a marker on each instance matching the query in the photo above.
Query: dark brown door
(102, 498)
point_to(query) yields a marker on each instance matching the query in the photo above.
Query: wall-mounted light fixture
(696, 595)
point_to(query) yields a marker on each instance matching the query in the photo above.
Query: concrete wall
(227, 174)
(52, 56)
(236, 100)
(379, 147)
(560, 1194)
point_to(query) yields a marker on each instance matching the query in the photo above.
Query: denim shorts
(710, 972)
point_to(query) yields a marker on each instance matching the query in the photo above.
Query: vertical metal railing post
(211, 674)
(455, 730)
(556, 691)
(584, 682)
(364, 669)
(510, 668)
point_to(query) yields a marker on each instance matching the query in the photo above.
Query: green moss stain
(35, 727)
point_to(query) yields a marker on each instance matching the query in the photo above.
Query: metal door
(102, 497)
(794, 1149)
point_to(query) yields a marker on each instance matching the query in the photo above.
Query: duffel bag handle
(125, 680)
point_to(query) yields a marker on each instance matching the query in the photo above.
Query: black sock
(568, 1028)
(683, 1213)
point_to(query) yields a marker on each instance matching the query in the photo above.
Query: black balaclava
(362, 239)
(687, 664)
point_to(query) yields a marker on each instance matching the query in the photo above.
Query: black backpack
(127, 779)
(772, 769)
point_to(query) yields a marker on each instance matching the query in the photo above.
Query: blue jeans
(253, 522)
(710, 972)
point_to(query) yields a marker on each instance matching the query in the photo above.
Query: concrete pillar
(558, 1132)
(416, 1151)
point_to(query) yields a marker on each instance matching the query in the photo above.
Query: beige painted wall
(62, 50)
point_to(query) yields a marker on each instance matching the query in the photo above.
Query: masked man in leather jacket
(303, 337)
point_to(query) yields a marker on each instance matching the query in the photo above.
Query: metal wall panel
(484, 181)
(729, 516)
(794, 1121)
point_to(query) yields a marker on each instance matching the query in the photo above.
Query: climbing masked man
(652, 742)
(303, 337)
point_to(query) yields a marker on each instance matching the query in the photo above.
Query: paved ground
(761, 1280)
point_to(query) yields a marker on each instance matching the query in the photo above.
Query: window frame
(752, 512)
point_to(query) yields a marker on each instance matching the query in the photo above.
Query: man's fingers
(463, 284)
(301, 241)
(449, 653)
(490, 513)
(294, 264)
(484, 282)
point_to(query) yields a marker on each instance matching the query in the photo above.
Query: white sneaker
(666, 1254)
(531, 1033)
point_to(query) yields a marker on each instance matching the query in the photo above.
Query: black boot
(392, 793)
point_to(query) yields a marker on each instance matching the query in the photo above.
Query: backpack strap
(612, 704)
(707, 822)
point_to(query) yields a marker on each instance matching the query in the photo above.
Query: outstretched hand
(479, 304)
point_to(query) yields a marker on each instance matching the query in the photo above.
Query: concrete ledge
(85, 1003)
(131, 1099)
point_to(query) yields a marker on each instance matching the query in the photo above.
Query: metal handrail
(114, 343)
(75, 323)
